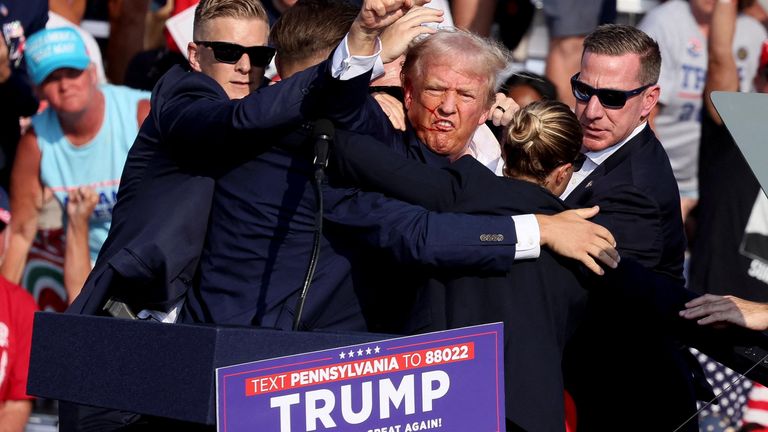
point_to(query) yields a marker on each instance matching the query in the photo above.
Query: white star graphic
(377, 349)
(359, 353)
(351, 353)
(368, 350)
(341, 355)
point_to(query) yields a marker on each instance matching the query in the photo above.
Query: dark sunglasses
(230, 53)
(609, 98)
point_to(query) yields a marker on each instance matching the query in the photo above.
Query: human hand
(80, 205)
(571, 235)
(396, 38)
(714, 309)
(392, 108)
(5, 63)
(503, 110)
(374, 17)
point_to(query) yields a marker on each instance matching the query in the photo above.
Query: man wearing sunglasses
(627, 173)
(200, 121)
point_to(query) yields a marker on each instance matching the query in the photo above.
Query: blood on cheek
(432, 111)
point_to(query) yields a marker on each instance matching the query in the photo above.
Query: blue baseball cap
(51, 49)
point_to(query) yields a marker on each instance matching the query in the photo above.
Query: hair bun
(526, 126)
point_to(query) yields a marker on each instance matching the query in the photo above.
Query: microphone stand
(323, 133)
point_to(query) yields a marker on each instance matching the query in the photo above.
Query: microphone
(323, 133)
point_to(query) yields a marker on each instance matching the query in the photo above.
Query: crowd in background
(58, 218)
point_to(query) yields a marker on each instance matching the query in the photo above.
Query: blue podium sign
(445, 381)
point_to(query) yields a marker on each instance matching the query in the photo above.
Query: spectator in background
(19, 18)
(17, 308)
(57, 17)
(526, 87)
(80, 140)
(568, 22)
(681, 29)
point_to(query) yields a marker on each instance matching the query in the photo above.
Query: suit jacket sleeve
(195, 113)
(634, 219)
(415, 235)
(465, 186)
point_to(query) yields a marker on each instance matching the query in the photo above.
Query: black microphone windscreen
(323, 128)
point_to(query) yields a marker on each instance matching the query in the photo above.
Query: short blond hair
(208, 10)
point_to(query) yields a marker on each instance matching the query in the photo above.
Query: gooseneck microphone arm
(323, 134)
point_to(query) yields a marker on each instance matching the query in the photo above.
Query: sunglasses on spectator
(230, 53)
(609, 98)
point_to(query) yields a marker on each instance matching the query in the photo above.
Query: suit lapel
(581, 193)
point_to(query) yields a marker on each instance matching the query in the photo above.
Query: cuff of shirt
(345, 66)
(528, 244)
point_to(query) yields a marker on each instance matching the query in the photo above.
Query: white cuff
(528, 244)
(345, 66)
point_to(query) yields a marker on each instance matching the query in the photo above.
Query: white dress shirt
(594, 159)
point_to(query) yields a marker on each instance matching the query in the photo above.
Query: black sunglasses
(609, 98)
(230, 53)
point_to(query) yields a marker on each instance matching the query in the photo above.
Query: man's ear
(650, 100)
(407, 94)
(193, 54)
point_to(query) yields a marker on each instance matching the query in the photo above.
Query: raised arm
(722, 73)
(77, 257)
(26, 204)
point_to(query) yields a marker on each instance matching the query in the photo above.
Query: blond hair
(542, 136)
(208, 10)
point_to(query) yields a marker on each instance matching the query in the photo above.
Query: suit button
(305, 91)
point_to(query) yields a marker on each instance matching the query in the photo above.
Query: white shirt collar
(599, 157)
(486, 149)
(594, 159)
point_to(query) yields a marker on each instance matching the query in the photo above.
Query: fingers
(392, 108)
(604, 253)
(396, 38)
(592, 265)
(586, 213)
(503, 110)
(698, 301)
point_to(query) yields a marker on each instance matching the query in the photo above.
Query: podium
(165, 370)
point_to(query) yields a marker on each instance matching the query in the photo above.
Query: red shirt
(17, 309)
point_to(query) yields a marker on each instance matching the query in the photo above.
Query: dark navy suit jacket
(639, 203)
(150, 257)
(261, 231)
(542, 301)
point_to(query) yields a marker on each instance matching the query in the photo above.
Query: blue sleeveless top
(97, 164)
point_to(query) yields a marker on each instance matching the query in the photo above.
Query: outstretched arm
(26, 204)
(469, 187)
(77, 257)
(722, 73)
(713, 309)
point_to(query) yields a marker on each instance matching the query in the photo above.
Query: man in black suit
(627, 173)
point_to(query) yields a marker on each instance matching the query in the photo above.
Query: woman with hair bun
(543, 145)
